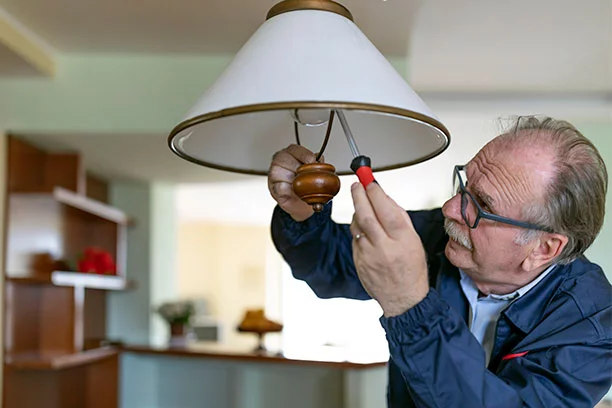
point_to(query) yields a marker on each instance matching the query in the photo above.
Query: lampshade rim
(320, 5)
(274, 106)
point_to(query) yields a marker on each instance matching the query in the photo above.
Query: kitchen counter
(331, 357)
(219, 375)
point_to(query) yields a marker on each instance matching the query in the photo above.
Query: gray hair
(575, 200)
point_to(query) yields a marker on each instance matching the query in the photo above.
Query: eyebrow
(487, 199)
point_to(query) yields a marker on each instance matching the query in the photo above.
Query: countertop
(333, 357)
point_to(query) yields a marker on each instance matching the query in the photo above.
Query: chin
(458, 255)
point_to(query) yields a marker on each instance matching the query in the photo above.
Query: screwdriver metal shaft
(361, 165)
(347, 132)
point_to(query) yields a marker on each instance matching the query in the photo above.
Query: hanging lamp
(306, 67)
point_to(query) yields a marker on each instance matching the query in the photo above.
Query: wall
(151, 261)
(226, 264)
(129, 312)
(162, 245)
(121, 93)
(3, 165)
(601, 135)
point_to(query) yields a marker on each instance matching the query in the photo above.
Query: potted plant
(178, 316)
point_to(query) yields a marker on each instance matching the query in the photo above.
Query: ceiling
(186, 26)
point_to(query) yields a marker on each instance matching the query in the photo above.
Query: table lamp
(306, 68)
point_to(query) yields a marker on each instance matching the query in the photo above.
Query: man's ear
(547, 248)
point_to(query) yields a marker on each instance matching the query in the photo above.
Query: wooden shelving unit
(88, 281)
(55, 320)
(58, 360)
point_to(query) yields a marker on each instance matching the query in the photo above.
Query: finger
(302, 154)
(285, 160)
(365, 217)
(280, 182)
(282, 190)
(393, 219)
(354, 227)
(278, 173)
(361, 243)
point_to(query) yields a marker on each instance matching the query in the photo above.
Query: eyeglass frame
(484, 214)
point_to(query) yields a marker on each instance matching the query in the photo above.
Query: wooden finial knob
(316, 184)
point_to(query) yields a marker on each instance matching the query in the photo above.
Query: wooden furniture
(56, 354)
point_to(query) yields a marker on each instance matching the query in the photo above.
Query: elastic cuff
(417, 321)
(294, 229)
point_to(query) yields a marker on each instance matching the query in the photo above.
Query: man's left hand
(388, 253)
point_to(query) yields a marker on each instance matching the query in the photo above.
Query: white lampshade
(309, 56)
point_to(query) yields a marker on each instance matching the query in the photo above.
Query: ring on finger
(359, 236)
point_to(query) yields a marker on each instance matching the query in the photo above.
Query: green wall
(108, 93)
(600, 133)
(112, 93)
(128, 312)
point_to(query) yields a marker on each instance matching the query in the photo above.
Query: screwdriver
(360, 164)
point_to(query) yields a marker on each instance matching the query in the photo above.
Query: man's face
(502, 180)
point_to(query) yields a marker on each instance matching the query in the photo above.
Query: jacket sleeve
(443, 365)
(319, 251)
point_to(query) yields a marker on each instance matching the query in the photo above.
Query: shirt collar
(465, 279)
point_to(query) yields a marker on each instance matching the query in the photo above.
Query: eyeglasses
(472, 212)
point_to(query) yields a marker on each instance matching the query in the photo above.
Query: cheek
(488, 247)
(493, 247)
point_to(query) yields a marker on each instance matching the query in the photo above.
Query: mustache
(456, 234)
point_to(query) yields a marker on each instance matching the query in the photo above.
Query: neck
(519, 279)
(496, 289)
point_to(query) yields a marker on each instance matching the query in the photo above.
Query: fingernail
(354, 185)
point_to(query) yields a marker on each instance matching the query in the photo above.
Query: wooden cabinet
(56, 351)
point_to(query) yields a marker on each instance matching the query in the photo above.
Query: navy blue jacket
(553, 345)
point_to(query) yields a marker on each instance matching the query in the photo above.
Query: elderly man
(488, 301)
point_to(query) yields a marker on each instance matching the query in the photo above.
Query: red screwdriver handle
(361, 165)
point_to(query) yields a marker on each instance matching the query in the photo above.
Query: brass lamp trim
(323, 5)
(262, 107)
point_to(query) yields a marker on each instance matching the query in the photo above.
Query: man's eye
(484, 206)
(481, 203)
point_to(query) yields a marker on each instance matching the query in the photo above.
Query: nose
(452, 209)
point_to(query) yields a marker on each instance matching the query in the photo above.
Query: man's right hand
(280, 180)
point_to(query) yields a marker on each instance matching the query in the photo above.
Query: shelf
(62, 224)
(74, 279)
(57, 360)
(80, 202)
(88, 205)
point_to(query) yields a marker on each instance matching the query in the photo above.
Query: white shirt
(485, 311)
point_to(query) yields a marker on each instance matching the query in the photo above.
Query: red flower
(87, 265)
(96, 260)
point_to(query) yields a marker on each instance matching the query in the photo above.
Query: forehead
(510, 175)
